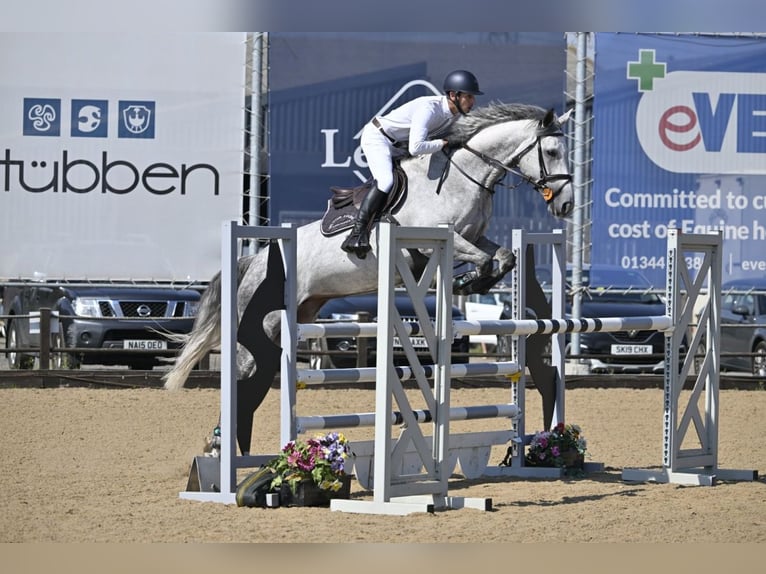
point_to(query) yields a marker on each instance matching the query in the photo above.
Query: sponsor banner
(324, 87)
(120, 154)
(679, 142)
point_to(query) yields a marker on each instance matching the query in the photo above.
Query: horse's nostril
(566, 209)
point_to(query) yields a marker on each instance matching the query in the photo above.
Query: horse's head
(542, 161)
(537, 151)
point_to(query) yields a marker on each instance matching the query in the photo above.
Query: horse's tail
(206, 333)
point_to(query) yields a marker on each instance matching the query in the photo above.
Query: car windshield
(615, 284)
(607, 284)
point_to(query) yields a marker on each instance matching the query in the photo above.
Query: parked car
(118, 318)
(743, 325)
(486, 307)
(343, 351)
(616, 292)
(2, 312)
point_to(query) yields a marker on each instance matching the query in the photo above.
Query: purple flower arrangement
(554, 447)
(320, 459)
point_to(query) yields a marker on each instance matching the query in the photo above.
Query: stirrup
(353, 246)
(353, 242)
(349, 244)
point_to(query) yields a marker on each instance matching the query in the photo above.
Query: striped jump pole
(403, 373)
(354, 420)
(496, 327)
(546, 326)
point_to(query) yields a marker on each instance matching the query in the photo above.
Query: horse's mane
(494, 113)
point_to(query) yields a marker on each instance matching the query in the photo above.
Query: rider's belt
(394, 143)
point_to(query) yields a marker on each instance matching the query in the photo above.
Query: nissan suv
(104, 325)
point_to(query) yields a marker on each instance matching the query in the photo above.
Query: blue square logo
(90, 118)
(42, 117)
(136, 119)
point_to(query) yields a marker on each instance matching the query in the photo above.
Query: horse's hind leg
(258, 315)
(482, 254)
(543, 375)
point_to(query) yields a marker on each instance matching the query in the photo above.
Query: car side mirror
(740, 310)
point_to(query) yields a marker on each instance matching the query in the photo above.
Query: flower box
(308, 493)
(573, 459)
(562, 447)
(303, 466)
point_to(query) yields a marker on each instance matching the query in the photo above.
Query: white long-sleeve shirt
(418, 122)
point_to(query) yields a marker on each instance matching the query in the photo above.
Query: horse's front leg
(504, 258)
(470, 253)
(492, 263)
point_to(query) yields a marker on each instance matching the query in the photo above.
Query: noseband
(541, 184)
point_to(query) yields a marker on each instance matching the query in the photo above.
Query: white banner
(120, 154)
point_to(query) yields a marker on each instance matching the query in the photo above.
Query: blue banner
(325, 86)
(679, 142)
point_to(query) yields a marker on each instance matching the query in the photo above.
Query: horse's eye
(552, 153)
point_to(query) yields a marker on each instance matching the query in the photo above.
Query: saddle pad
(335, 220)
(340, 215)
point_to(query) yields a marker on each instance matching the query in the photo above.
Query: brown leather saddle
(344, 204)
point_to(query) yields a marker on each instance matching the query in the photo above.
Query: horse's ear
(550, 117)
(565, 117)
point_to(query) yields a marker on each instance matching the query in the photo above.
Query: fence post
(362, 359)
(45, 338)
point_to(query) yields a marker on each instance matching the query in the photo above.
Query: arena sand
(96, 465)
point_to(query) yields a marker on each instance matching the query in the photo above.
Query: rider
(413, 127)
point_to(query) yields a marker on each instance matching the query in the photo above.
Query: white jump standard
(690, 435)
(410, 473)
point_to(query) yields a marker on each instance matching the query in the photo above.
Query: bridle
(541, 184)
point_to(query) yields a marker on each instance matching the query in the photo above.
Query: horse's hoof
(462, 284)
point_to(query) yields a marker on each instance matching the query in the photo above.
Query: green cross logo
(646, 70)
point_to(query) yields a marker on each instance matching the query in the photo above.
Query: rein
(541, 184)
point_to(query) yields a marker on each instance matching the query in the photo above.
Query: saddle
(344, 203)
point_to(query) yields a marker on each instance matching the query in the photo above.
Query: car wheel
(759, 359)
(16, 360)
(61, 360)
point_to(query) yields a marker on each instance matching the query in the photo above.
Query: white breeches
(378, 152)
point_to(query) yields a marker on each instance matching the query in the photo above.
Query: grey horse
(455, 188)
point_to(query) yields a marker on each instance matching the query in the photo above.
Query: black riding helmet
(462, 81)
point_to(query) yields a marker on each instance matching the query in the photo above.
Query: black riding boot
(358, 240)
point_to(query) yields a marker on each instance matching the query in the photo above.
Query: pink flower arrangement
(320, 459)
(550, 448)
